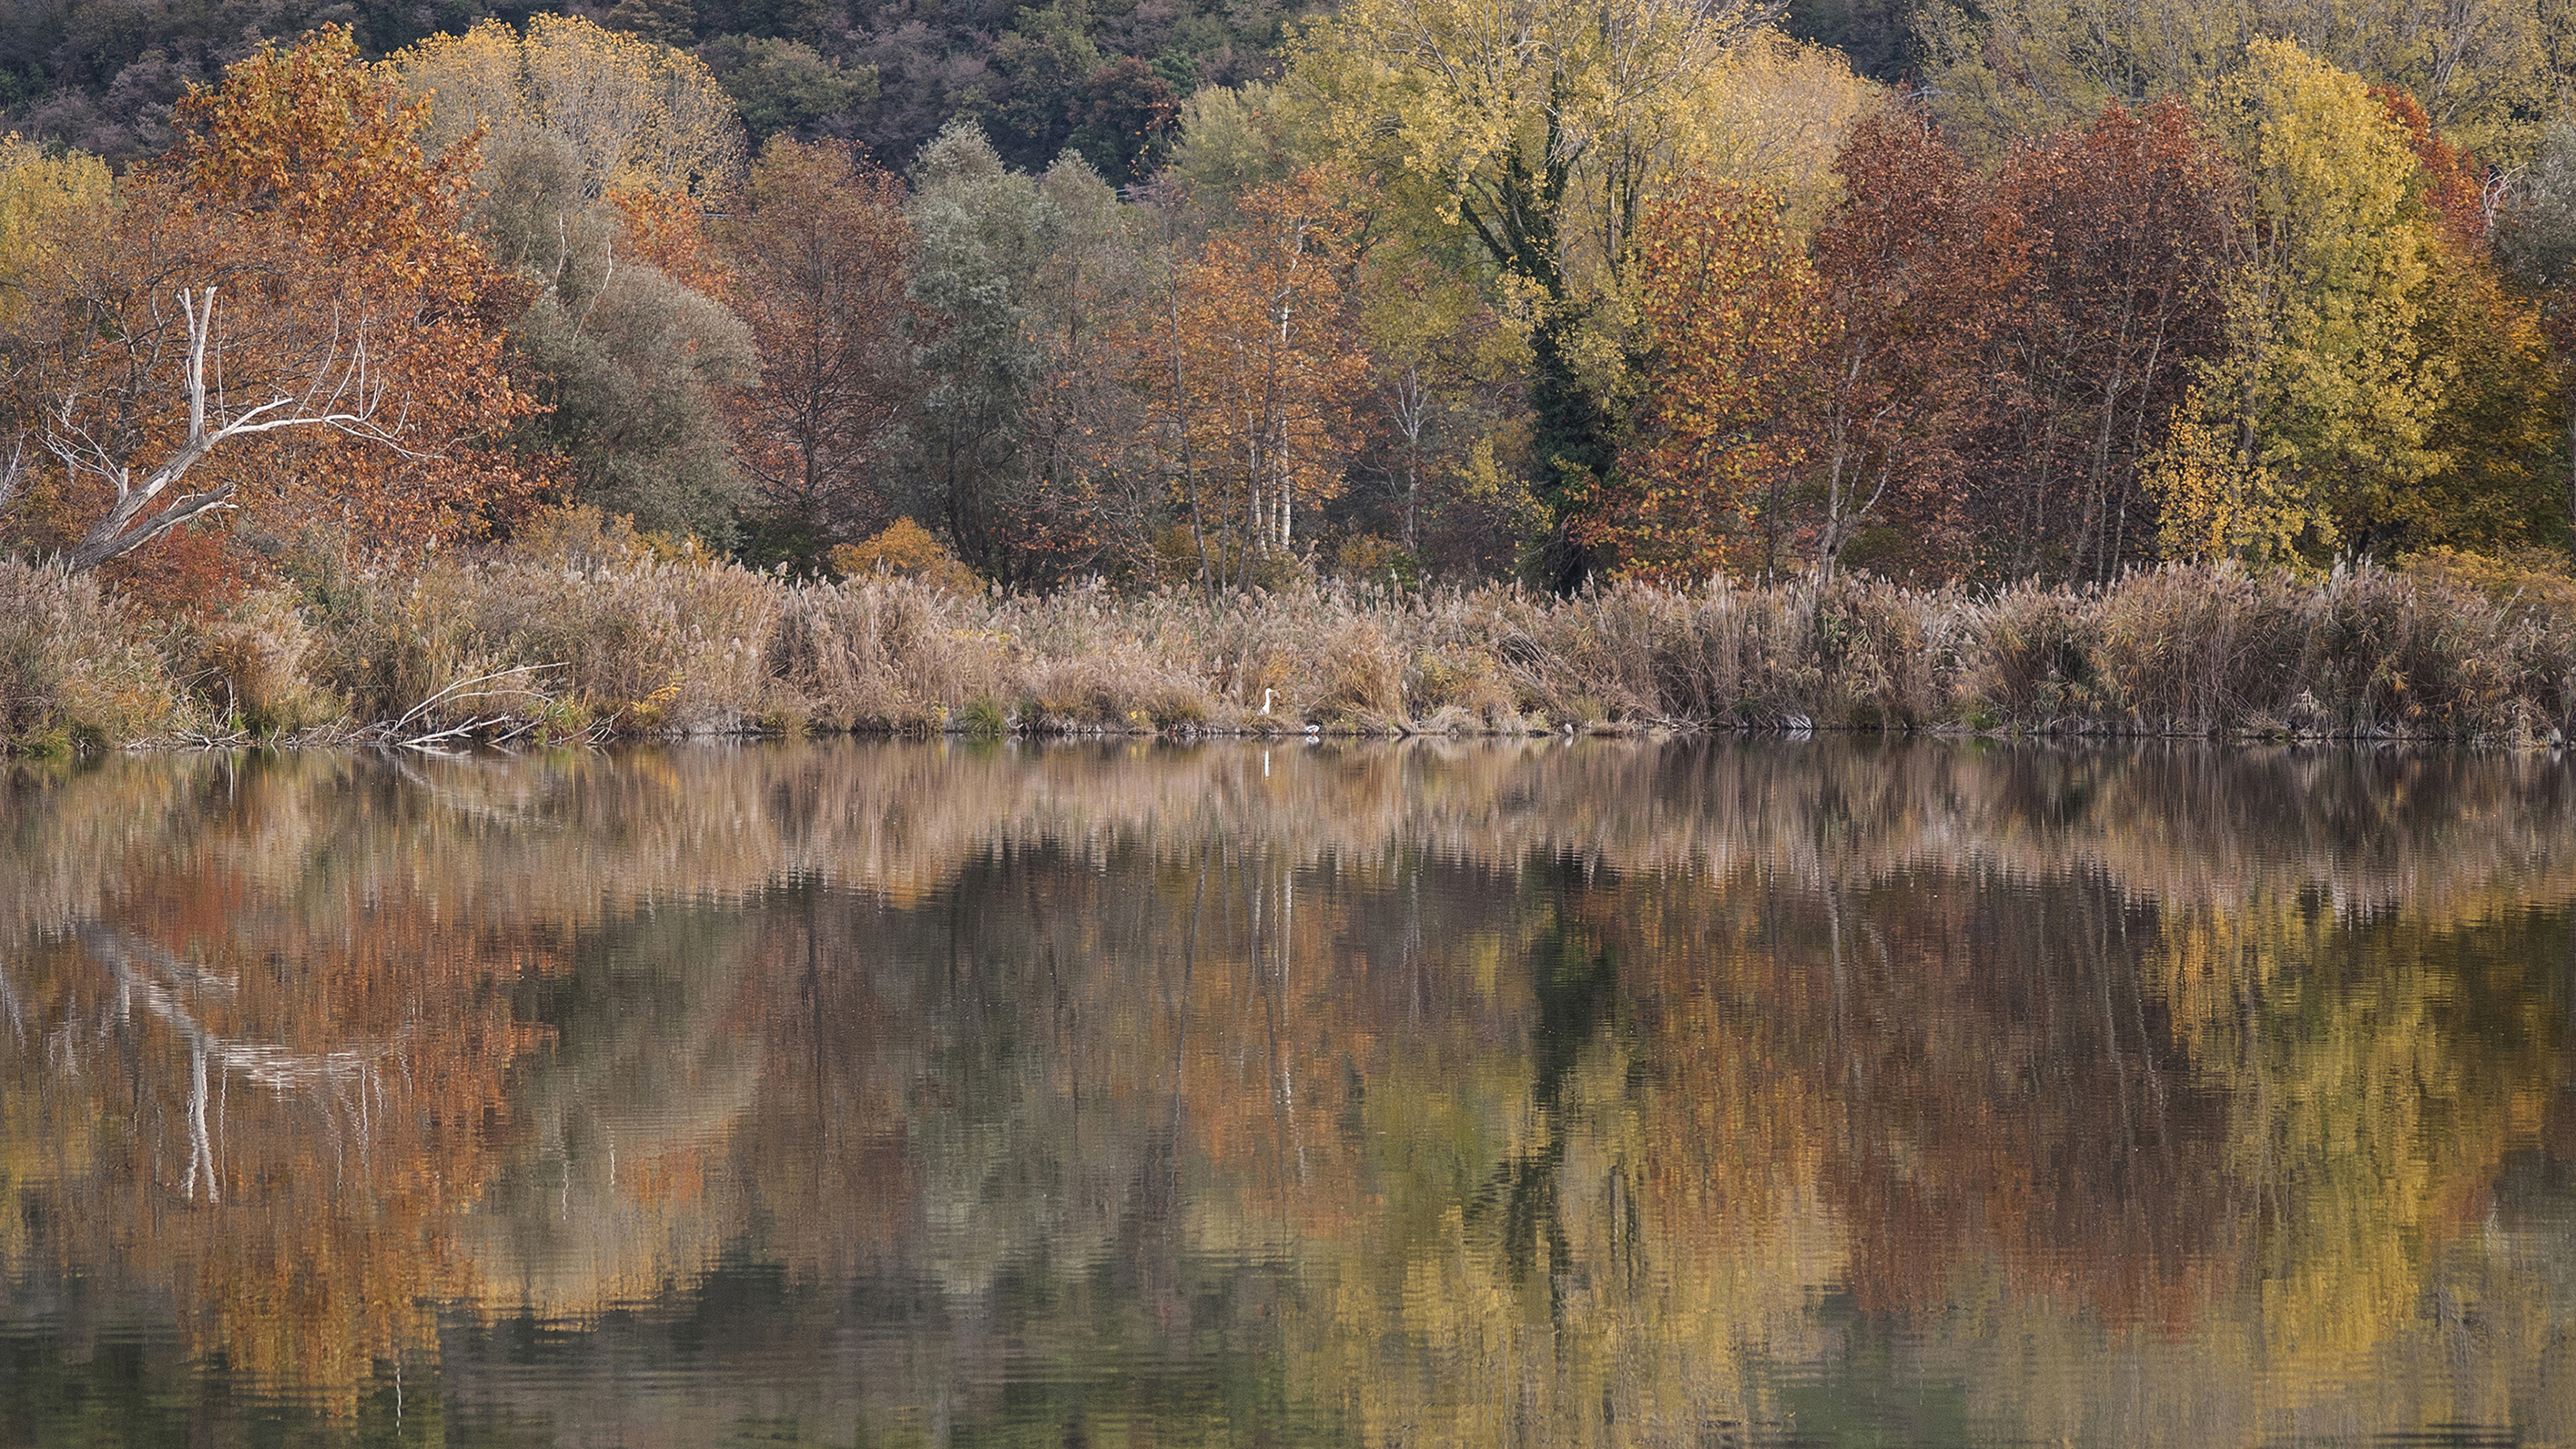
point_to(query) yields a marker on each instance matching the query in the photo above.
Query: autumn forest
(1409, 296)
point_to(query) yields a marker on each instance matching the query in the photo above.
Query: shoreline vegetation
(584, 630)
(525, 385)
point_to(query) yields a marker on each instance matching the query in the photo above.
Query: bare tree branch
(340, 392)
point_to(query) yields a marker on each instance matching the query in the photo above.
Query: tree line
(1465, 288)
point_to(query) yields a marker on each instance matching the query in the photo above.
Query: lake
(1598, 1092)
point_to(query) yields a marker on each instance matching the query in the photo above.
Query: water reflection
(1517, 1094)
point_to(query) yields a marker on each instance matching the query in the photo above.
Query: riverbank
(584, 633)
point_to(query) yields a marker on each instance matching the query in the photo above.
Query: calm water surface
(1525, 1094)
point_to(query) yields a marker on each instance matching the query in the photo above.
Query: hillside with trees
(1105, 79)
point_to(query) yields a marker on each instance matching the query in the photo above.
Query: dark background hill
(1104, 77)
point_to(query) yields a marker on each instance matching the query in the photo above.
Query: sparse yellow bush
(2528, 583)
(906, 550)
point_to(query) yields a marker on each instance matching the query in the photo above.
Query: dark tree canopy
(1103, 78)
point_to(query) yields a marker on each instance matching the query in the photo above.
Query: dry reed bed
(595, 636)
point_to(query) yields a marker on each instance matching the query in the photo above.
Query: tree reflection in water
(1600, 1093)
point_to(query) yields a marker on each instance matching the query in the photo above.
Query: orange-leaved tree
(1732, 309)
(287, 313)
(668, 230)
(1255, 368)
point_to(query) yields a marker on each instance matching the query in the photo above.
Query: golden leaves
(1730, 304)
(1540, 123)
(2324, 382)
(36, 191)
(639, 115)
(321, 142)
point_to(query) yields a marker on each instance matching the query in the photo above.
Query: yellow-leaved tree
(1780, 112)
(2006, 68)
(1541, 129)
(2318, 409)
(35, 189)
(640, 116)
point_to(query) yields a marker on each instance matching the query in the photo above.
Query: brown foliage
(1980, 361)
(315, 141)
(1733, 310)
(1912, 262)
(605, 627)
(667, 230)
(2124, 229)
(818, 259)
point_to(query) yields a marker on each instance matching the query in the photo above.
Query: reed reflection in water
(1601, 1093)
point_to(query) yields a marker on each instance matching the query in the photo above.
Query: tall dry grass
(79, 669)
(2183, 650)
(582, 624)
(2217, 650)
(583, 627)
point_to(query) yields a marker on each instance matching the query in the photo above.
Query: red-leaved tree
(1911, 262)
(2124, 236)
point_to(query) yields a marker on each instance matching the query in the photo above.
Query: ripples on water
(1539, 1094)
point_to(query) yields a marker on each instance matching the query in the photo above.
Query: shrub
(906, 550)
(2033, 655)
(249, 664)
(581, 613)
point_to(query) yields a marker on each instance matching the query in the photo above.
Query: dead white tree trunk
(341, 393)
